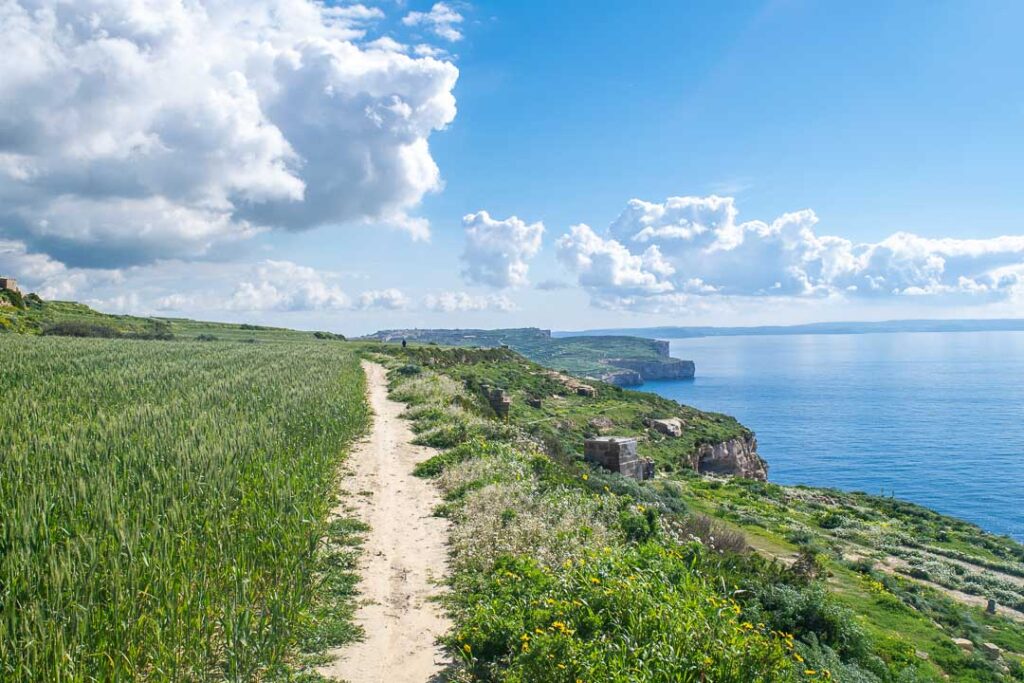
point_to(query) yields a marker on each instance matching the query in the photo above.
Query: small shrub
(713, 534)
(74, 328)
(830, 520)
(206, 338)
(639, 526)
(410, 370)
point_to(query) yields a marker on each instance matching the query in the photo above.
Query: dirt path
(404, 555)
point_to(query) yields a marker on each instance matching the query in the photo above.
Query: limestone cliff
(736, 457)
(660, 368)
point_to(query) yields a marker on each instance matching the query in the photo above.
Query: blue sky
(897, 124)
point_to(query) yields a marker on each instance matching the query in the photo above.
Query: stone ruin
(618, 454)
(500, 402)
(9, 283)
(586, 390)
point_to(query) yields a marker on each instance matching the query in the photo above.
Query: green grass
(35, 318)
(165, 506)
(564, 419)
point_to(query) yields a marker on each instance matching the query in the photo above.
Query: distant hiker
(403, 343)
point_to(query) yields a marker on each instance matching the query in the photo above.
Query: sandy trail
(403, 558)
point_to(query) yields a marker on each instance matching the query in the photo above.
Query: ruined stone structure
(500, 402)
(9, 283)
(586, 390)
(618, 454)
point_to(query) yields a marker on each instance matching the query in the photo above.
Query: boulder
(669, 426)
(964, 644)
(991, 650)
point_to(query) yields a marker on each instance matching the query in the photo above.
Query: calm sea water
(937, 419)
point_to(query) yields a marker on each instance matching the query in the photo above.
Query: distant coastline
(881, 327)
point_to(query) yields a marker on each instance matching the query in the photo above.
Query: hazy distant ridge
(887, 326)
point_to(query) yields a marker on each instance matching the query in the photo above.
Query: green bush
(74, 328)
(638, 613)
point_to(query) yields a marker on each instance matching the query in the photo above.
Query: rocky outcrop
(621, 377)
(737, 457)
(659, 368)
(669, 426)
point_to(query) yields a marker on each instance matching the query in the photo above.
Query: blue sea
(934, 418)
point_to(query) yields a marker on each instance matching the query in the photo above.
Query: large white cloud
(497, 251)
(131, 131)
(658, 254)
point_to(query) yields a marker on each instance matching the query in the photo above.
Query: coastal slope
(617, 359)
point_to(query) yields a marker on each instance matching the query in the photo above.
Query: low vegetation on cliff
(619, 359)
(564, 572)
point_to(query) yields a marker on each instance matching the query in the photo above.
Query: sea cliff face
(737, 457)
(636, 371)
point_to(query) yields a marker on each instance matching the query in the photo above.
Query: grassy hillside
(563, 572)
(165, 507)
(591, 356)
(563, 418)
(36, 316)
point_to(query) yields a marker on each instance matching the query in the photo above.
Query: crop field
(165, 503)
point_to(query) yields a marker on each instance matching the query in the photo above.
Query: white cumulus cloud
(497, 251)
(390, 299)
(132, 131)
(287, 286)
(655, 255)
(441, 19)
(450, 302)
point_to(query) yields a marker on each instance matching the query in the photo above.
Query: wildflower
(810, 672)
(797, 657)
(586, 477)
(595, 580)
(467, 648)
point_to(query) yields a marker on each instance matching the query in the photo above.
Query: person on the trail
(403, 343)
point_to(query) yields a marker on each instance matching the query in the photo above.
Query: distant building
(9, 283)
(618, 454)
